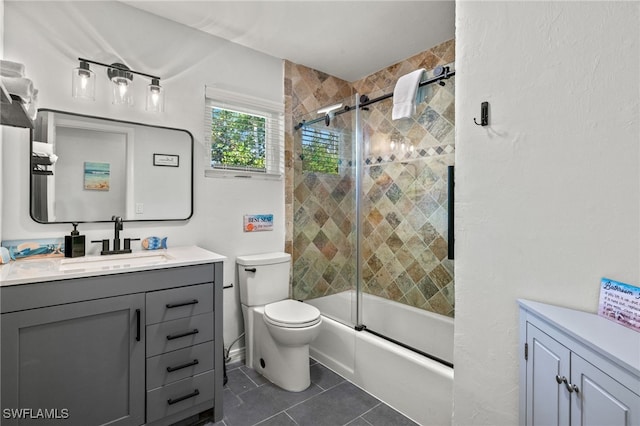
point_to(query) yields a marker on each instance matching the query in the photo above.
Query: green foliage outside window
(237, 139)
(320, 151)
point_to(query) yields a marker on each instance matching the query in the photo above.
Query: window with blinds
(245, 134)
(320, 150)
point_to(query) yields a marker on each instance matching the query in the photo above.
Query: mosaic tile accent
(404, 228)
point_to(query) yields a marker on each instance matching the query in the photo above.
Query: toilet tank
(268, 283)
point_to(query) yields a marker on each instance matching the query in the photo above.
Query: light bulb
(155, 96)
(83, 82)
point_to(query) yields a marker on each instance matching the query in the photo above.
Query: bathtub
(417, 386)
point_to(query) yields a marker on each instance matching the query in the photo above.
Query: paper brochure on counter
(620, 302)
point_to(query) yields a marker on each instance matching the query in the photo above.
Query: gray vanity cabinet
(82, 360)
(577, 369)
(120, 349)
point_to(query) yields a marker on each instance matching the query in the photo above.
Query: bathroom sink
(115, 261)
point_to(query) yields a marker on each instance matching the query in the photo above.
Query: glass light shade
(83, 82)
(155, 96)
(121, 93)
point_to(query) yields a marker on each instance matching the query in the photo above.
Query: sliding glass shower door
(371, 215)
(405, 202)
(324, 205)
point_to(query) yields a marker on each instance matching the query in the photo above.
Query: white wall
(72, 200)
(548, 195)
(48, 37)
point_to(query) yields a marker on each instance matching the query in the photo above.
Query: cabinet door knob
(560, 379)
(570, 386)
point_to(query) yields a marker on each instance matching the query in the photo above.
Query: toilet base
(284, 366)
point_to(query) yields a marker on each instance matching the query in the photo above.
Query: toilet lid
(291, 313)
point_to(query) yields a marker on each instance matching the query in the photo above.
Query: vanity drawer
(177, 365)
(166, 305)
(177, 334)
(178, 396)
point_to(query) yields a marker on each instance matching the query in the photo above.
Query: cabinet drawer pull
(185, 334)
(250, 269)
(177, 305)
(182, 398)
(137, 325)
(180, 367)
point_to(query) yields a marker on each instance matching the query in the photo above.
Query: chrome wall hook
(484, 115)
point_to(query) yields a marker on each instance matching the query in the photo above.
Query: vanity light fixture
(121, 77)
(155, 96)
(83, 82)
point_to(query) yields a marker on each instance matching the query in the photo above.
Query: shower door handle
(450, 212)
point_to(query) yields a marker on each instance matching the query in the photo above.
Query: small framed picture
(166, 160)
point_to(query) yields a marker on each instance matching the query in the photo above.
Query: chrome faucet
(117, 228)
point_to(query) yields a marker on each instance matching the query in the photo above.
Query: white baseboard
(236, 355)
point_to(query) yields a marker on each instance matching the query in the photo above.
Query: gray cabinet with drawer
(70, 344)
(180, 343)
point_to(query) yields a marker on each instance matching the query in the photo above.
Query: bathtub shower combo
(372, 246)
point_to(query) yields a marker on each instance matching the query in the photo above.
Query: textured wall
(547, 195)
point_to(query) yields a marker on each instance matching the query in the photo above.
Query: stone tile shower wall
(319, 207)
(405, 194)
(404, 246)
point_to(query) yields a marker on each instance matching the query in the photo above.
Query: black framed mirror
(88, 169)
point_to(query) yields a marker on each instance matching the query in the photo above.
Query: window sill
(216, 173)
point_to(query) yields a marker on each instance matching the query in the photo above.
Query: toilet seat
(291, 314)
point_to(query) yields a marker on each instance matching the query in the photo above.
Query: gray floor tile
(239, 382)
(362, 422)
(336, 406)
(323, 377)
(257, 378)
(265, 401)
(281, 419)
(383, 415)
(229, 400)
(234, 365)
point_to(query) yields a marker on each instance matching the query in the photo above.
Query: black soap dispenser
(74, 243)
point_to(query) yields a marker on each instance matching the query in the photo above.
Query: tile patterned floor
(249, 399)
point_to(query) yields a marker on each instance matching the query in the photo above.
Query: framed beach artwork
(96, 176)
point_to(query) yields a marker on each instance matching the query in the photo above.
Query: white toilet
(278, 330)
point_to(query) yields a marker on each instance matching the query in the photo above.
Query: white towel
(32, 107)
(42, 149)
(11, 69)
(404, 94)
(19, 86)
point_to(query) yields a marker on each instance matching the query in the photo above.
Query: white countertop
(606, 337)
(27, 271)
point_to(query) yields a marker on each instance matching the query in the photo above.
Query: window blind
(264, 112)
(320, 150)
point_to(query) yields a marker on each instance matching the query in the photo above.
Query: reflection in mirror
(88, 169)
